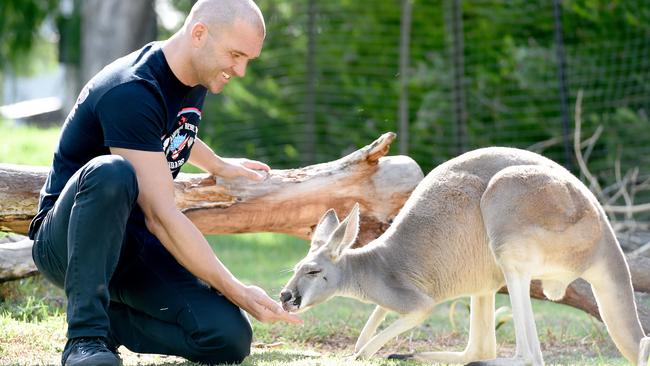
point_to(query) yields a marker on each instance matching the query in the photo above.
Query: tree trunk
(112, 29)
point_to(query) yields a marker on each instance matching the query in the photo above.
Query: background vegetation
(491, 75)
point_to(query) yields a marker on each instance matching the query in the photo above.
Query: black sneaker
(89, 352)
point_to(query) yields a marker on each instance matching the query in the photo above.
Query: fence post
(404, 60)
(309, 143)
(561, 73)
(458, 65)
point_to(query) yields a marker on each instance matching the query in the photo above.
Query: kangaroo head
(317, 277)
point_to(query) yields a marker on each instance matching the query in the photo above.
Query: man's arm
(186, 243)
(203, 157)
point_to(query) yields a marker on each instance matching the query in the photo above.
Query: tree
(112, 29)
(20, 23)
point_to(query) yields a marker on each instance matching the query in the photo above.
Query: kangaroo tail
(610, 281)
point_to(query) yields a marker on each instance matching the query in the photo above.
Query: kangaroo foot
(502, 362)
(400, 356)
(644, 352)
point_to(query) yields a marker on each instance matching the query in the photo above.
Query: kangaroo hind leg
(644, 352)
(528, 350)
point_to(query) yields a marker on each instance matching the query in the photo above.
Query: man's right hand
(259, 305)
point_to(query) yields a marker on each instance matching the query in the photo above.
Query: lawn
(32, 320)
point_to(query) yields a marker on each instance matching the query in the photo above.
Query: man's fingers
(277, 313)
(289, 318)
(258, 165)
(253, 175)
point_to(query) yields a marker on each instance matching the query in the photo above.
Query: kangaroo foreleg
(369, 330)
(400, 326)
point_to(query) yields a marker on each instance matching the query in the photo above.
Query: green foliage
(20, 22)
(510, 79)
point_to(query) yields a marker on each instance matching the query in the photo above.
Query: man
(135, 270)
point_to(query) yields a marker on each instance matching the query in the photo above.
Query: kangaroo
(489, 217)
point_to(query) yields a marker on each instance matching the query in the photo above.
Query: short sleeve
(132, 117)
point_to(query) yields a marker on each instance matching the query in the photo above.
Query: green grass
(27, 145)
(32, 320)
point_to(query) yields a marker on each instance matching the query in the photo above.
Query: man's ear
(324, 229)
(345, 234)
(198, 34)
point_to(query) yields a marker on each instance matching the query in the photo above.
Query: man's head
(224, 35)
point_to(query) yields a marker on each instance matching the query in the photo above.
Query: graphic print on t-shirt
(177, 145)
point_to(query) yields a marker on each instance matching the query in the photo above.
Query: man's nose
(285, 295)
(240, 69)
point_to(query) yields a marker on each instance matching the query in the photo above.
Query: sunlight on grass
(27, 145)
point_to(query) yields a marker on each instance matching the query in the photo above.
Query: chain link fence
(448, 76)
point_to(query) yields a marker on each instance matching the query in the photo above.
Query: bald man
(135, 270)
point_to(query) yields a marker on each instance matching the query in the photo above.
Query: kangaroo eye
(313, 273)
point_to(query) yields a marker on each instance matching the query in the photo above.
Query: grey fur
(489, 217)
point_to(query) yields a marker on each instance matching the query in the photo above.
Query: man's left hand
(241, 167)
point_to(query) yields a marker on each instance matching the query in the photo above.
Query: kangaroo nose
(285, 295)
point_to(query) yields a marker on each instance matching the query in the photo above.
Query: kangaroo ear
(346, 234)
(324, 229)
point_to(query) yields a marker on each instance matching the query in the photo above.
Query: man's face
(225, 54)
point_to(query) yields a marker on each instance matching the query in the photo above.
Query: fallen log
(287, 201)
(16, 258)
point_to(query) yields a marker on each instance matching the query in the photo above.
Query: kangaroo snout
(285, 296)
(290, 300)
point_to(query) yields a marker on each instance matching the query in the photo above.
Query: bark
(19, 187)
(16, 258)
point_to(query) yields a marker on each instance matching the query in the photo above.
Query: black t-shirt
(136, 103)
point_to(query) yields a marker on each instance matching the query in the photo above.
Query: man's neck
(176, 54)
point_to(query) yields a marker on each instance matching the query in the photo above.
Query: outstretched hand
(241, 167)
(259, 305)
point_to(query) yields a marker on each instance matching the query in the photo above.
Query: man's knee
(112, 176)
(226, 342)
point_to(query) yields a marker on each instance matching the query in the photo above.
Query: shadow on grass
(273, 357)
(278, 356)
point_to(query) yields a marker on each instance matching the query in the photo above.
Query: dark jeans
(121, 283)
